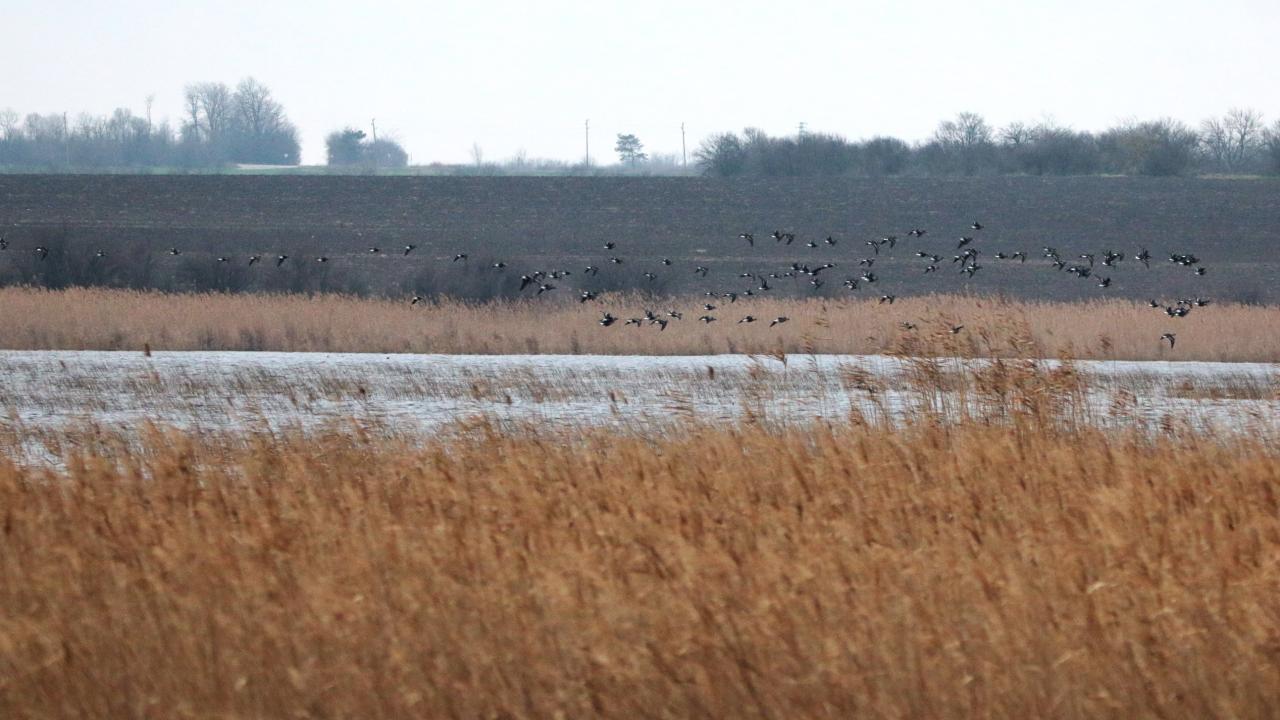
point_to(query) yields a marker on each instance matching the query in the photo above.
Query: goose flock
(965, 251)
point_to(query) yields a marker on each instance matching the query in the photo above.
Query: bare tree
(1233, 140)
(8, 122)
(209, 107)
(255, 110)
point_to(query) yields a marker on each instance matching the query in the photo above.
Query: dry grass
(1016, 570)
(1117, 329)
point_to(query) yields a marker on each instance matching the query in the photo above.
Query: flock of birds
(966, 259)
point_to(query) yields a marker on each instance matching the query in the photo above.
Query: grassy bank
(1115, 329)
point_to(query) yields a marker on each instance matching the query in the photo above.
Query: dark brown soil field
(1232, 226)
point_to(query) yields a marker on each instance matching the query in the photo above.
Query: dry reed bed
(1111, 329)
(1022, 569)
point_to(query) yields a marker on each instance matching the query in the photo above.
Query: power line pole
(684, 155)
(373, 125)
(586, 128)
(800, 132)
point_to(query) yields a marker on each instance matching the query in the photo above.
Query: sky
(509, 77)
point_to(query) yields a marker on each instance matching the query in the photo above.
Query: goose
(873, 245)
(907, 325)
(764, 285)
(322, 259)
(674, 314)
(886, 299)
(816, 283)
(1153, 304)
(851, 283)
(374, 250)
(662, 324)
(1200, 271)
(866, 262)
(4, 244)
(409, 248)
(586, 295)
(42, 251)
(747, 319)
(976, 225)
(650, 276)
(890, 240)
(1143, 257)
(650, 316)
(751, 239)
(708, 307)
(100, 254)
(223, 259)
(1104, 282)
(545, 288)
(253, 259)
(1172, 338)
(615, 261)
(931, 268)
(733, 297)
(498, 265)
(591, 270)
(1201, 302)
(970, 269)
(917, 233)
(1087, 256)
(416, 299)
(830, 240)
(606, 320)
(869, 277)
(700, 270)
(525, 281)
(280, 259)
(610, 245)
(633, 321)
(666, 261)
(708, 319)
(811, 244)
(955, 329)
(1019, 256)
(175, 251)
(779, 320)
(963, 241)
(460, 256)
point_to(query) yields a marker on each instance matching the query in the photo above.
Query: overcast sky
(524, 75)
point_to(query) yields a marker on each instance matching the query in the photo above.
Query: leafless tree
(1233, 140)
(209, 108)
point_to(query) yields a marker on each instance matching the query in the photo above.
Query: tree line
(220, 126)
(1237, 143)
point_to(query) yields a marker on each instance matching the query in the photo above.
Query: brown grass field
(1016, 563)
(1030, 567)
(1109, 329)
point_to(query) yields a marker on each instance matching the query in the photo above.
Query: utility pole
(684, 155)
(800, 132)
(586, 127)
(373, 125)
